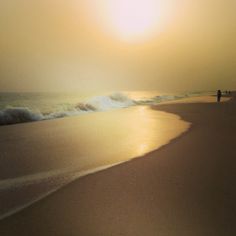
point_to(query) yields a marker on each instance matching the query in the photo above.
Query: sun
(133, 19)
(129, 20)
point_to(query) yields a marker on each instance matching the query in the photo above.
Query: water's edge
(68, 175)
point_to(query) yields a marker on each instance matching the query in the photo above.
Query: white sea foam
(104, 103)
(14, 115)
(18, 115)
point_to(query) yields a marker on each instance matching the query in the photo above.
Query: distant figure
(219, 94)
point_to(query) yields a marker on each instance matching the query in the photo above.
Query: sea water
(28, 107)
(93, 133)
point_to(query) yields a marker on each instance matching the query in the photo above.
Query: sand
(40, 157)
(184, 188)
(73, 142)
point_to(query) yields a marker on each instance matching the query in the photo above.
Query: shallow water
(38, 158)
(27, 107)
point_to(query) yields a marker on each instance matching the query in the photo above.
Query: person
(219, 94)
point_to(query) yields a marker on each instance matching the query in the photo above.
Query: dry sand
(185, 188)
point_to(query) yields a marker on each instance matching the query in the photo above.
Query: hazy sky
(167, 45)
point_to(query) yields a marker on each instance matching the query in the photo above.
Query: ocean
(29, 107)
(51, 139)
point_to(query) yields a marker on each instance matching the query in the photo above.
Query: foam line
(39, 177)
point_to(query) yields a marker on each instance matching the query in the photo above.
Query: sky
(83, 45)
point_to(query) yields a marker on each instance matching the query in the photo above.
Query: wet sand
(187, 187)
(39, 158)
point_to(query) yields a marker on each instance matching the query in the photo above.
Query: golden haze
(71, 45)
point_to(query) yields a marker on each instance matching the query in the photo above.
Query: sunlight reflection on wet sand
(40, 158)
(87, 141)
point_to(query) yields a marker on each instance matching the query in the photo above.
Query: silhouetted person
(219, 94)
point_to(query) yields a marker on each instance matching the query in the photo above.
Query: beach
(186, 187)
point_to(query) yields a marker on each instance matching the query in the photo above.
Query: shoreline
(23, 187)
(159, 170)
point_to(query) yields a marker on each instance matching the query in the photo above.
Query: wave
(104, 103)
(18, 115)
(161, 98)
(14, 115)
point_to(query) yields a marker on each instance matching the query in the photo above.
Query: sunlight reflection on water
(41, 157)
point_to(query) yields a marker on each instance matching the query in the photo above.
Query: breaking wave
(18, 115)
(104, 103)
(15, 115)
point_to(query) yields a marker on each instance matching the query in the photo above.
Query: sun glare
(131, 20)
